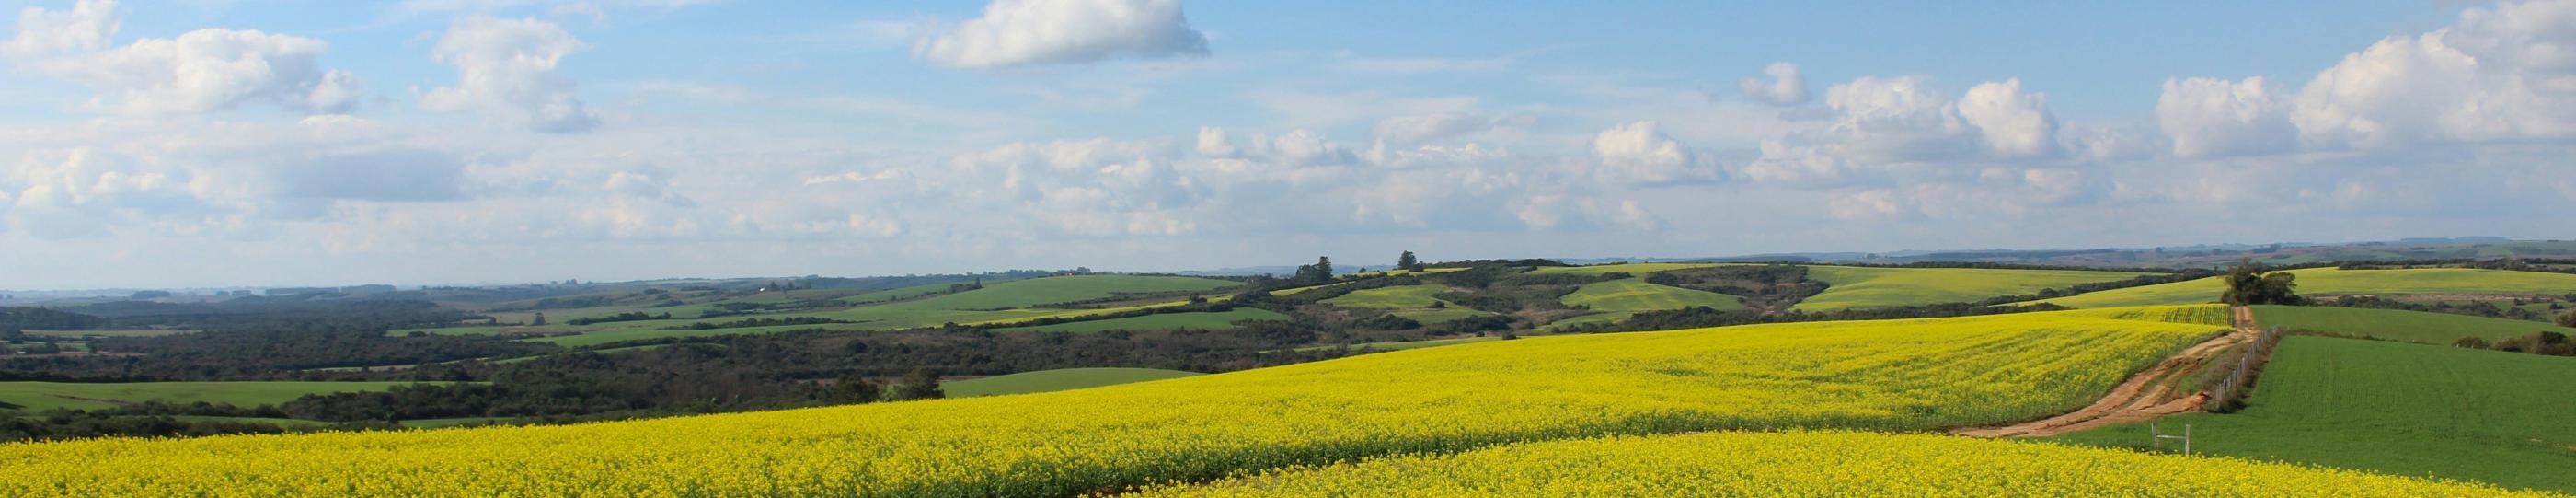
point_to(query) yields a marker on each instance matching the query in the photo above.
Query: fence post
(2186, 439)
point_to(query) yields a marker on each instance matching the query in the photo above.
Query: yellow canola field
(1802, 463)
(1876, 375)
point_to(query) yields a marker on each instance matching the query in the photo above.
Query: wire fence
(2229, 396)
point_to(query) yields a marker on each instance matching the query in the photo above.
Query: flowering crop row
(1801, 463)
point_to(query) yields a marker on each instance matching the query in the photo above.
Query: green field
(1412, 302)
(280, 422)
(107, 333)
(2330, 281)
(997, 302)
(1396, 297)
(1638, 269)
(1635, 294)
(1588, 319)
(1866, 287)
(1055, 380)
(1412, 344)
(2399, 325)
(505, 361)
(38, 396)
(1050, 290)
(902, 293)
(1431, 316)
(1425, 271)
(2396, 408)
(1162, 321)
(434, 423)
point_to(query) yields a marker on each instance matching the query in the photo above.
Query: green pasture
(1055, 380)
(2330, 281)
(1850, 287)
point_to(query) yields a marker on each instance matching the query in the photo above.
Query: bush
(2567, 319)
(2472, 343)
(1390, 322)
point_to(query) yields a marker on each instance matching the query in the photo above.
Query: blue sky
(219, 142)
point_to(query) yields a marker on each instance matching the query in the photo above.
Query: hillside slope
(1880, 375)
(2405, 409)
(2330, 281)
(2400, 325)
(1800, 463)
(1870, 287)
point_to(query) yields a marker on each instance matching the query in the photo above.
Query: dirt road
(2144, 396)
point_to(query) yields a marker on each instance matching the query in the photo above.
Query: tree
(2567, 319)
(1407, 262)
(539, 320)
(922, 383)
(854, 389)
(1320, 272)
(2248, 284)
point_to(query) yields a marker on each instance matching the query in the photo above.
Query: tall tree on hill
(922, 383)
(1320, 272)
(2248, 284)
(1407, 262)
(855, 388)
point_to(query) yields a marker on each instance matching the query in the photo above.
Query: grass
(1867, 287)
(107, 333)
(2439, 329)
(902, 293)
(2330, 281)
(1162, 321)
(1062, 379)
(39, 396)
(997, 302)
(1396, 297)
(1638, 269)
(1586, 319)
(1037, 291)
(1431, 316)
(280, 422)
(1424, 271)
(1413, 302)
(2396, 408)
(1635, 294)
(1404, 345)
(520, 359)
(434, 423)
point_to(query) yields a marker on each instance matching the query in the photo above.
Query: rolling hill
(2331, 282)
(1867, 287)
(2399, 325)
(1878, 375)
(1062, 379)
(38, 396)
(1804, 463)
(2397, 408)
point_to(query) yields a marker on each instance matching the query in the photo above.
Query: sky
(199, 143)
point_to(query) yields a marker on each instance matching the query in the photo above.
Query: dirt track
(2144, 396)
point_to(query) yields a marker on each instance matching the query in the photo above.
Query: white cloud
(2497, 75)
(2211, 117)
(507, 67)
(1880, 130)
(1639, 153)
(1026, 32)
(199, 71)
(1300, 147)
(1896, 119)
(1212, 142)
(2012, 124)
(1786, 87)
(85, 27)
